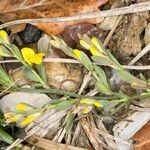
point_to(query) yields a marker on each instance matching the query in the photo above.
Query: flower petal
(77, 54)
(86, 101)
(94, 52)
(37, 59)
(23, 107)
(27, 54)
(97, 104)
(30, 118)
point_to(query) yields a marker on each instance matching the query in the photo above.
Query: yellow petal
(37, 59)
(27, 54)
(86, 101)
(4, 36)
(23, 107)
(96, 43)
(77, 54)
(8, 115)
(97, 104)
(94, 52)
(30, 118)
(84, 44)
(16, 118)
(87, 109)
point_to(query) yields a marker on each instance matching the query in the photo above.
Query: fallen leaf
(59, 76)
(141, 139)
(25, 9)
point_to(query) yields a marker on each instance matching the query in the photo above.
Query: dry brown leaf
(25, 9)
(142, 138)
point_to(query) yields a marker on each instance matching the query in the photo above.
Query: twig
(112, 31)
(143, 52)
(47, 144)
(144, 6)
(73, 61)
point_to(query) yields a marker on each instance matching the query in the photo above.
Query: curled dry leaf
(59, 76)
(127, 37)
(23, 9)
(141, 139)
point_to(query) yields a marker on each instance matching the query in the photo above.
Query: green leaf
(5, 137)
(42, 72)
(101, 74)
(102, 88)
(102, 61)
(16, 51)
(114, 60)
(69, 121)
(5, 80)
(64, 104)
(129, 78)
(86, 61)
(30, 75)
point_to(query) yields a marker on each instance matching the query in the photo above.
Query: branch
(140, 7)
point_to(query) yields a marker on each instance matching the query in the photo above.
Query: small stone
(30, 34)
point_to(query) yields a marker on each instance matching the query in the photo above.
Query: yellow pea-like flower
(23, 107)
(4, 36)
(84, 44)
(97, 104)
(95, 52)
(12, 117)
(16, 118)
(77, 54)
(86, 101)
(30, 118)
(8, 115)
(30, 56)
(96, 44)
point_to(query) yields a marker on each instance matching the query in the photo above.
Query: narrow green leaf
(64, 104)
(100, 72)
(5, 137)
(69, 121)
(86, 61)
(30, 75)
(16, 51)
(42, 72)
(102, 61)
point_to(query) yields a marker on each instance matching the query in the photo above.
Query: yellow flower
(16, 118)
(31, 57)
(4, 36)
(91, 102)
(95, 52)
(11, 117)
(8, 115)
(95, 41)
(23, 107)
(30, 118)
(87, 109)
(77, 54)
(84, 44)
(86, 101)
(97, 104)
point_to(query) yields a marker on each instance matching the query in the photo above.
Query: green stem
(72, 94)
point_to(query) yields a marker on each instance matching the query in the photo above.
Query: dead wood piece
(86, 124)
(47, 144)
(118, 11)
